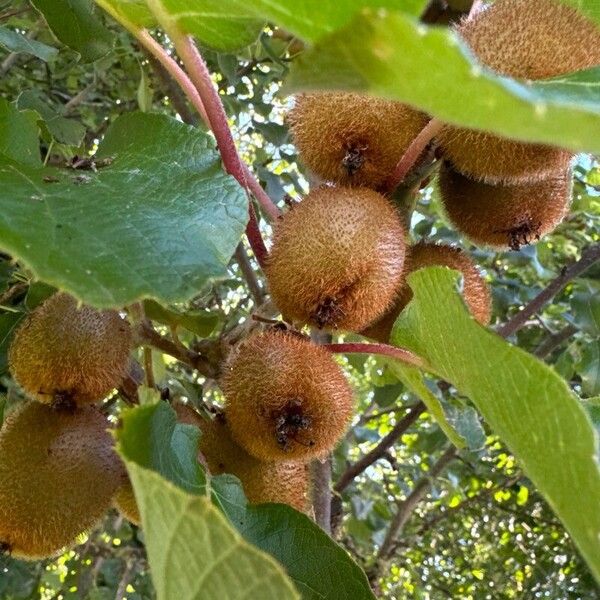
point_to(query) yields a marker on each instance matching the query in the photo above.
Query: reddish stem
(255, 238)
(200, 76)
(412, 154)
(382, 349)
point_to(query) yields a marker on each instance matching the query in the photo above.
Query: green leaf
(523, 400)
(194, 553)
(154, 438)
(592, 405)
(63, 130)
(74, 23)
(18, 135)
(313, 19)
(317, 565)
(14, 41)
(200, 322)
(589, 369)
(414, 381)
(160, 221)
(590, 8)
(586, 312)
(394, 52)
(144, 92)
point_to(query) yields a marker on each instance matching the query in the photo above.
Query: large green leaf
(194, 553)
(524, 401)
(396, 52)
(213, 22)
(18, 135)
(14, 41)
(318, 567)
(74, 23)
(158, 222)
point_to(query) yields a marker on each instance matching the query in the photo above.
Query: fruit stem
(412, 154)
(400, 354)
(217, 119)
(231, 159)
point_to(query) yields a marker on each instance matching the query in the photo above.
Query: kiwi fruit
(126, 504)
(524, 39)
(476, 291)
(350, 139)
(285, 397)
(504, 217)
(284, 482)
(58, 476)
(337, 259)
(66, 354)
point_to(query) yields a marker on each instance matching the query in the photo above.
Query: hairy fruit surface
(524, 39)
(286, 398)
(350, 139)
(476, 291)
(65, 354)
(504, 217)
(58, 476)
(337, 259)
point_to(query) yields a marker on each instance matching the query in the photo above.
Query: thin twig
(554, 341)
(255, 238)
(589, 256)
(249, 274)
(400, 354)
(380, 450)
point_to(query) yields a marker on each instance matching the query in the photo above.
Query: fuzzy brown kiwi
(58, 476)
(350, 139)
(476, 291)
(65, 354)
(504, 217)
(337, 259)
(524, 39)
(286, 398)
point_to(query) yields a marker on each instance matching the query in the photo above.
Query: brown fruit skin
(524, 39)
(504, 217)
(126, 504)
(62, 353)
(58, 476)
(337, 259)
(285, 482)
(350, 139)
(286, 398)
(476, 291)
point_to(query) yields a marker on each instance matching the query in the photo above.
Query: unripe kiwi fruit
(337, 259)
(286, 398)
(350, 139)
(476, 291)
(524, 39)
(58, 476)
(63, 353)
(504, 217)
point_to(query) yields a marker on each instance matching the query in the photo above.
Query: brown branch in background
(209, 366)
(320, 471)
(401, 354)
(258, 294)
(380, 450)
(149, 368)
(406, 507)
(589, 256)
(554, 341)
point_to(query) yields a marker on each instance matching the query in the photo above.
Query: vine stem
(412, 154)
(383, 349)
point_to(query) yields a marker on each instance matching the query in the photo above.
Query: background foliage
(478, 528)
